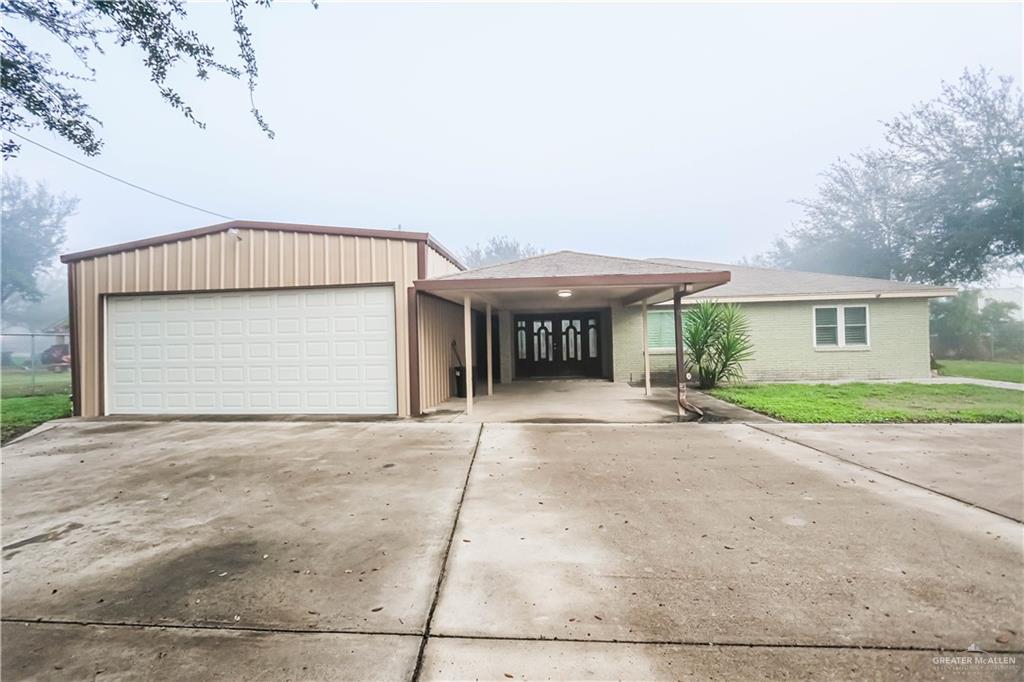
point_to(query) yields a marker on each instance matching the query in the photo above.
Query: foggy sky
(644, 130)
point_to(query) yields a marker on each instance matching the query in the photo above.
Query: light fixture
(564, 293)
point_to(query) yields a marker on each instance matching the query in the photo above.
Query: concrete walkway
(930, 380)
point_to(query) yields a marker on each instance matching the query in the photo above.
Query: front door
(558, 345)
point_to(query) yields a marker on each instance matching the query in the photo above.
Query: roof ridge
(507, 262)
(628, 259)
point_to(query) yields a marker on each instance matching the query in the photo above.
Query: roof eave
(569, 281)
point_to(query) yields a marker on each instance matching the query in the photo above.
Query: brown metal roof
(263, 225)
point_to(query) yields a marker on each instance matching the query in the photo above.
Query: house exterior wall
(255, 258)
(783, 348)
(440, 323)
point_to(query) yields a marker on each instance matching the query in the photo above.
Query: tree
(942, 203)
(717, 336)
(962, 327)
(36, 92)
(857, 225)
(499, 249)
(33, 231)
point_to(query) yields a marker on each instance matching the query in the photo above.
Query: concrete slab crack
(881, 472)
(444, 560)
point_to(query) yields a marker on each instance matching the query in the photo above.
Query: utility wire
(114, 177)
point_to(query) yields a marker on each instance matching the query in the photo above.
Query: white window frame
(841, 327)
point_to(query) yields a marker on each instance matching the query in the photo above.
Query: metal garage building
(252, 318)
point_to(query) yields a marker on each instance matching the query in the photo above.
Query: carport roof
(573, 264)
(593, 279)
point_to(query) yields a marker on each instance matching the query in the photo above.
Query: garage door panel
(323, 351)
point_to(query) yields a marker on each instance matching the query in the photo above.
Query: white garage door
(252, 352)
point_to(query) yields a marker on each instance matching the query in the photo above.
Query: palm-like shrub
(717, 337)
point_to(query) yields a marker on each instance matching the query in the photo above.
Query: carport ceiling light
(564, 293)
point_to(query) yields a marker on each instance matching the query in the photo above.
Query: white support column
(467, 323)
(647, 351)
(677, 315)
(490, 360)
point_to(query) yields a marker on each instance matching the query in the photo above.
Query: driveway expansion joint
(201, 626)
(683, 642)
(417, 671)
(490, 638)
(883, 473)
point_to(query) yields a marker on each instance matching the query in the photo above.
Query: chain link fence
(34, 363)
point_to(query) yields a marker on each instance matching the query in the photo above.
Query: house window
(661, 332)
(826, 326)
(855, 325)
(841, 326)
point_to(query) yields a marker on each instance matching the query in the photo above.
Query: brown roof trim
(262, 225)
(445, 252)
(661, 278)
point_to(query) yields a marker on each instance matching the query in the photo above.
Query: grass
(983, 369)
(18, 382)
(878, 403)
(19, 415)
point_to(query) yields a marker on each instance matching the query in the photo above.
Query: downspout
(683, 405)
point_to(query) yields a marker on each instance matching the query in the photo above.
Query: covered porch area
(563, 401)
(538, 337)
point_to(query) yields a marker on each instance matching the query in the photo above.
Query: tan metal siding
(438, 265)
(253, 259)
(440, 322)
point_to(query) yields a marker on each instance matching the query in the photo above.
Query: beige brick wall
(783, 348)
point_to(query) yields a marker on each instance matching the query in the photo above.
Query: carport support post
(467, 324)
(490, 360)
(647, 350)
(677, 314)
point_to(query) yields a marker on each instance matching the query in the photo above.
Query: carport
(558, 315)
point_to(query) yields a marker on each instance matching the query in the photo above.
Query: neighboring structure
(810, 326)
(268, 318)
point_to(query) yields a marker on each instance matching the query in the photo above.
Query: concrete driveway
(288, 550)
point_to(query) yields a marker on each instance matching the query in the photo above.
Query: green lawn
(18, 382)
(18, 415)
(874, 403)
(983, 369)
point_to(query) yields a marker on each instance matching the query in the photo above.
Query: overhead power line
(122, 181)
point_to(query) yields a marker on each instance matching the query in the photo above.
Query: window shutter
(826, 328)
(659, 329)
(855, 326)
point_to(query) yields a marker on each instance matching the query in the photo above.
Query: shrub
(717, 337)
